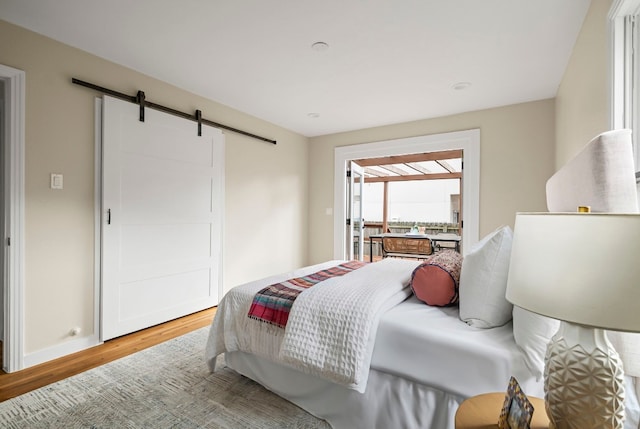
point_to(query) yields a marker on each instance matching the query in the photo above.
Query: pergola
(420, 166)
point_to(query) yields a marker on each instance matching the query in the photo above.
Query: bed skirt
(389, 401)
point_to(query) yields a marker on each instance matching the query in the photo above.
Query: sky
(413, 201)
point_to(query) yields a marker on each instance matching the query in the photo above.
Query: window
(624, 17)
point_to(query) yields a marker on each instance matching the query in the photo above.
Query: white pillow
(483, 281)
(532, 333)
(627, 344)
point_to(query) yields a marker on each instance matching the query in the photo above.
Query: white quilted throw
(332, 326)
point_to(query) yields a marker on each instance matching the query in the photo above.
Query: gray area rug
(165, 386)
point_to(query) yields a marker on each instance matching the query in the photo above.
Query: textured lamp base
(583, 380)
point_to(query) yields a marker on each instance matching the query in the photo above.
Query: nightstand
(482, 412)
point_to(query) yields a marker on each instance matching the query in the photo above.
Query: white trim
(358, 171)
(624, 69)
(468, 141)
(3, 225)
(617, 99)
(97, 219)
(620, 8)
(59, 350)
(219, 151)
(13, 345)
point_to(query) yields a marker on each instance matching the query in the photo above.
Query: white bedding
(432, 346)
(335, 343)
(332, 325)
(232, 330)
(388, 402)
(399, 393)
(424, 363)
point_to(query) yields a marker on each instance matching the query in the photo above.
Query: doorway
(2, 204)
(417, 194)
(12, 217)
(467, 141)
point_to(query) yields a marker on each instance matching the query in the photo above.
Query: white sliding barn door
(162, 207)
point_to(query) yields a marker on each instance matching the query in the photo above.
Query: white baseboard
(60, 350)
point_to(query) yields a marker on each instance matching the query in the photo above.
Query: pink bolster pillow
(435, 282)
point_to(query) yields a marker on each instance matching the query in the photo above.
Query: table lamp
(584, 270)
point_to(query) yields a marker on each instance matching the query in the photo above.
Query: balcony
(374, 228)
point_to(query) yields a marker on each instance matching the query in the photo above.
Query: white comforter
(331, 328)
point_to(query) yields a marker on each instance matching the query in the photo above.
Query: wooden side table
(483, 411)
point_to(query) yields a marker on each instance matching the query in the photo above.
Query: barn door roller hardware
(141, 100)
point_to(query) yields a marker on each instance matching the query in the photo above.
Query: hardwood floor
(17, 383)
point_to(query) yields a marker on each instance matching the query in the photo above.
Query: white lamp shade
(578, 267)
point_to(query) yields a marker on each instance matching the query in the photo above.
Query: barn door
(162, 207)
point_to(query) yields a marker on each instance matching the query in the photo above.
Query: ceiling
(387, 61)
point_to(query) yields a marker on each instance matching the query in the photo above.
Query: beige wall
(516, 159)
(265, 220)
(582, 102)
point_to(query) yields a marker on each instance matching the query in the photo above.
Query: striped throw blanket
(273, 303)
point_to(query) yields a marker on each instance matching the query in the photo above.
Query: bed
(411, 364)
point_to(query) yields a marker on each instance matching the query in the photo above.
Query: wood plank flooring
(17, 383)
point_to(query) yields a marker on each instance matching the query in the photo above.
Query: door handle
(108, 216)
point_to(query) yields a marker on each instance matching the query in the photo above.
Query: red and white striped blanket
(273, 303)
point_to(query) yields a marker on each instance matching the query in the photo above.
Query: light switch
(56, 181)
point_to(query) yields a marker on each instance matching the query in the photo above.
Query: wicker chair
(399, 247)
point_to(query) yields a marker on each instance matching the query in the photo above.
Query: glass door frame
(354, 221)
